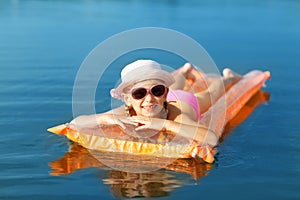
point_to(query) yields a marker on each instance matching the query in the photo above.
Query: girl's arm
(191, 131)
(112, 117)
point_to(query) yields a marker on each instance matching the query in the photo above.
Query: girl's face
(153, 102)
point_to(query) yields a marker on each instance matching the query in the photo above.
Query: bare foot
(186, 70)
(230, 78)
(228, 73)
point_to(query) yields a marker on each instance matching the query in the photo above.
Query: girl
(154, 99)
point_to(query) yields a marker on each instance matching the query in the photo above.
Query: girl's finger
(141, 128)
(126, 121)
(141, 121)
(120, 124)
(146, 119)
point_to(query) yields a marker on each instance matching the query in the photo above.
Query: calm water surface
(43, 43)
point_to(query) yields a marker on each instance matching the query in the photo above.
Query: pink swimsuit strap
(180, 95)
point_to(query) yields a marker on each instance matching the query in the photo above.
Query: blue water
(43, 43)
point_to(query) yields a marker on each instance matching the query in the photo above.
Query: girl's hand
(148, 123)
(117, 120)
(201, 136)
(93, 121)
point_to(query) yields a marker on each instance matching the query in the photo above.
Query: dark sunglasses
(155, 90)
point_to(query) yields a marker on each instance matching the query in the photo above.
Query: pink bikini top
(180, 95)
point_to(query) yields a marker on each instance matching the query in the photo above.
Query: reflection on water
(150, 184)
(154, 184)
(128, 184)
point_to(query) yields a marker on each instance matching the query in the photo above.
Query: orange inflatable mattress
(114, 139)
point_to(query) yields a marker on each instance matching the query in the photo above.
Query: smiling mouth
(151, 110)
(151, 107)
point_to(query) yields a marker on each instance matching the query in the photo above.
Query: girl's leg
(181, 76)
(216, 89)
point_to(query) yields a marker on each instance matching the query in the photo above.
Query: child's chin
(151, 114)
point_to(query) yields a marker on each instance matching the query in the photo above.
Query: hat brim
(155, 74)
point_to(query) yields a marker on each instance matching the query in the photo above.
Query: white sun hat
(141, 70)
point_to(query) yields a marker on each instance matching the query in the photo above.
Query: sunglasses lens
(139, 93)
(158, 90)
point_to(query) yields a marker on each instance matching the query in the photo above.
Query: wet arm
(193, 132)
